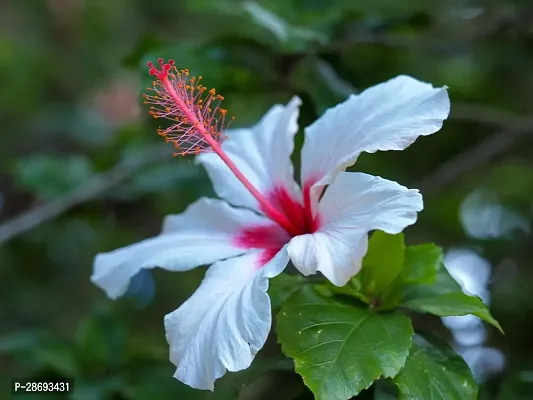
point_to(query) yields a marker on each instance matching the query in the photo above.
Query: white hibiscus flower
(264, 219)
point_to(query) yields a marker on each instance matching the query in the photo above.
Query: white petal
(336, 256)
(388, 116)
(367, 202)
(351, 207)
(202, 234)
(262, 154)
(225, 322)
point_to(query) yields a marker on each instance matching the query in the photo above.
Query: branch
(86, 191)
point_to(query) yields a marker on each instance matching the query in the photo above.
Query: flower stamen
(197, 124)
(193, 110)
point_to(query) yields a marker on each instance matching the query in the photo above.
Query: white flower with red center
(264, 219)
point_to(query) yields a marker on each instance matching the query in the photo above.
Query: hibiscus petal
(262, 153)
(352, 206)
(204, 233)
(388, 116)
(225, 322)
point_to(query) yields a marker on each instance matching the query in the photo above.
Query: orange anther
(196, 122)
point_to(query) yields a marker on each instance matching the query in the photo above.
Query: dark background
(77, 148)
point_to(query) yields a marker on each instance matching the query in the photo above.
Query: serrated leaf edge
(373, 380)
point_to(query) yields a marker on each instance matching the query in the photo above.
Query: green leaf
(100, 340)
(270, 21)
(289, 36)
(421, 263)
(383, 262)
(341, 349)
(50, 175)
(444, 297)
(420, 266)
(434, 371)
(282, 286)
(352, 288)
(57, 356)
(21, 341)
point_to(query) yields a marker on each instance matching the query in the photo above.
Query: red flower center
(272, 237)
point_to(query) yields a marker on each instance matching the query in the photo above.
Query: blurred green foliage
(72, 72)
